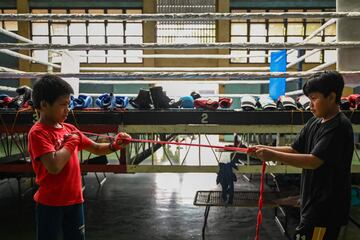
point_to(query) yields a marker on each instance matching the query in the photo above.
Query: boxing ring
(179, 125)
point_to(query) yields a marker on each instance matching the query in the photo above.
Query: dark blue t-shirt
(325, 191)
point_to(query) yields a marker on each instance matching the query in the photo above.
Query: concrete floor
(144, 206)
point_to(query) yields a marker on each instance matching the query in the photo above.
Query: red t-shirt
(64, 188)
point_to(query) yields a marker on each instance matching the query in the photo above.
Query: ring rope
(170, 75)
(178, 16)
(182, 46)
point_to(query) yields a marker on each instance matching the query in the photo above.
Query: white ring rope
(317, 68)
(178, 16)
(168, 75)
(171, 56)
(119, 82)
(178, 96)
(182, 46)
(302, 58)
(174, 69)
(9, 89)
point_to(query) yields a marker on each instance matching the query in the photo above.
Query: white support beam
(317, 68)
(26, 57)
(5, 69)
(316, 32)
(15, 36)
(20, 38)
(302, 58)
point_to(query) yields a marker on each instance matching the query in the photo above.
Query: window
(258, 34)
(185, 31)
(291, 30)
(133, 32)
(329, 35)
(276, 31)
(91, 32)
(311, 25)
(295, 33)
(40, 34)
(9, 25)
(239, 34)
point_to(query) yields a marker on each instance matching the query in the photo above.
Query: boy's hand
(121, 140)
(252, 150)
(73, 134)
(71, 141)
(264, 154)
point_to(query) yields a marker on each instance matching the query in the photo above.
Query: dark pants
(54, 222)
(311, 232)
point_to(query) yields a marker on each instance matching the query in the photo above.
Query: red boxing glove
(354, 100)
(121, 140)
(211, 104)
(200, 103)
(5, 100)
(225, 102)
(72, 141)
(206, 104)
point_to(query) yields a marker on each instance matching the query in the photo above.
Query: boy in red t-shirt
(53, 147)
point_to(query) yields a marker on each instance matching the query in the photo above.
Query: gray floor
(144, 206)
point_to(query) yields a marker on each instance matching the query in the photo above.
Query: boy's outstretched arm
(121, 140)
(284, 149)
(307, 161)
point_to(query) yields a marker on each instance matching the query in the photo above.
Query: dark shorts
(54, 222)
(311, 232)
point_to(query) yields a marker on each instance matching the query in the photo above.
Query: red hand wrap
(119, 142)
